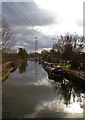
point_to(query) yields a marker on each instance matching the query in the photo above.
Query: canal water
(29, 93)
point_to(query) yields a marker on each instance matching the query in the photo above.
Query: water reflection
(36, 69)
(71, 95)
(23, 66)
(40, 97)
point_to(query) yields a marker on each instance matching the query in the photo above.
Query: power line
(16, 8)
(12, 20)
(25, 20)
(9, 11)
(32, 15)
(25, 7)
(19, 18)
(24, 17)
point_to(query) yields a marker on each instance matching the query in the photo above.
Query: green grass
(63, 64)
(70, 72)
(5, 76)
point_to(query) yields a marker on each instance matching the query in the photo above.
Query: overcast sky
(44, 19)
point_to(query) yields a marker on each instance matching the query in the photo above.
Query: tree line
(67, 49)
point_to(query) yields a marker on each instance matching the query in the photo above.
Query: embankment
(78, 80)
(8, 67)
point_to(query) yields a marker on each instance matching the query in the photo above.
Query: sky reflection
(40, 97)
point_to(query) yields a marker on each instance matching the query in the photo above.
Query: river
(29, 93)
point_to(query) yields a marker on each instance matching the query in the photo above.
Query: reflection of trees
(22, 67)
(77, 91)
(14, 69)
(68, 91)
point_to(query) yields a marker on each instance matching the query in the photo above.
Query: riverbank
(78, 80)
(67, 68)
(77, 73)
(9, 67)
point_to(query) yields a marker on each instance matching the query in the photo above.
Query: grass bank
(9, 67)
(77, 73)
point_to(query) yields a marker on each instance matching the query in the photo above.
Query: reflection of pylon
(36, 72)
(36, 48)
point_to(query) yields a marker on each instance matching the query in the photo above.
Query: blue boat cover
(57, 68)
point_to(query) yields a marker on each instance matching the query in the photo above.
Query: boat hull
(59, 75)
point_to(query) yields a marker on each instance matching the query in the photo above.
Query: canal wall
(76, 79)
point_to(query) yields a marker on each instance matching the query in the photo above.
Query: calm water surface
(29, 93)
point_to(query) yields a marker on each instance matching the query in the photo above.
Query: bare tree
(59, 46)
(77, 43)
(7, 35)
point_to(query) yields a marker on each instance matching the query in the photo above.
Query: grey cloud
(28, 41)
(26, 14)
(22, 18)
